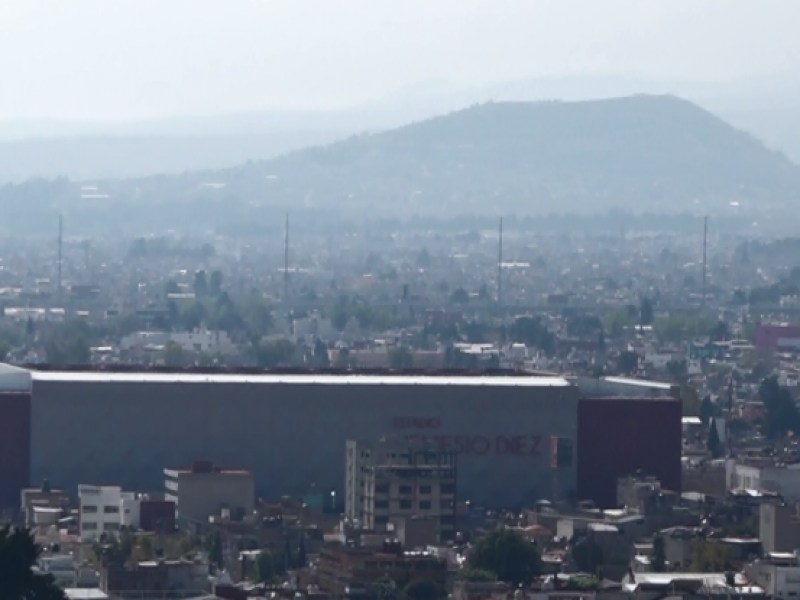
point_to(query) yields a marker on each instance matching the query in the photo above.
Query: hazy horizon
(93, 61)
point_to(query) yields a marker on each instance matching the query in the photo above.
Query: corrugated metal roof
(309, 379)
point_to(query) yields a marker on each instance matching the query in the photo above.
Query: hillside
(656, 154)
(644, 152)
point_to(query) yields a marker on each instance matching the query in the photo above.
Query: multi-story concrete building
(394, 480)
(777, 573)
(779, 527)
(203, 490)
(101, 510)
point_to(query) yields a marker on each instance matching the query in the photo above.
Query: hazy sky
(123, 59)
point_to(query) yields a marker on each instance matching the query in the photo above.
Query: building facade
(394, 479)
(102, 510)
(203, 490)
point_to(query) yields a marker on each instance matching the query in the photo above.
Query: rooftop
(298, 378)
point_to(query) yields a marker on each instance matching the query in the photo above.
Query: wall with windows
(103, 510)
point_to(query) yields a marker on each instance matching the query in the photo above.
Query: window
(89, 509)
(90, 526)
(424, 504)
(425, 489)
(381, 520)
(111, 527)
(448, 488)
(383, 488)
(405, 489)
(381, 504)
(111, 510)
(445, 505)
(405, 504)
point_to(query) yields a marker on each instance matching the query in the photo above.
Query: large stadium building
(124, 427)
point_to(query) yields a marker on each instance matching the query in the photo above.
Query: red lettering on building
(481, 445)
(536, 442)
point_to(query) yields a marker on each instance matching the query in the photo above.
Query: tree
(400, 358)
(265, 567)
(646, 311)
(302, 555)
(711, 557)
(659, 554)
(532, 332)
(714, 444)
(719, 331)
(587, 554)
(691, 401)
(200, 284)
(507, 555)
(423, 259)
(321, 353)
(274, 353)
(476, 575)
(782, 415)
(214, 548)
(18, 580)
(174, 355)
(627, 362)
(616, 322)
(215, 283)
(68, 343)
(423, 589)
(677, 369)
(707, 410)
(459, 296)
(171, 287)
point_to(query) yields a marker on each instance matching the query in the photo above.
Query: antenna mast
(286, 264)
(705, 244)
(500, 268)
(60, 244)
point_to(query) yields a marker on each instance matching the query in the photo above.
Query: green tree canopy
(507, 555)
(174, 355)
(782, 415)
(400, 358)
(587, 554)
(274, 353)
(459, 296)
(646, 313)
(68, 343)
(423, 589)
(264, 567)
(659, 554)
(18, 581)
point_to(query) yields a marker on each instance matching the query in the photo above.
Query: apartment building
(395, 480)
(102, 510)
(203, 490)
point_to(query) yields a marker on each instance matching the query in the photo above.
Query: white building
(104, 509)
(314, 327)
(198, 340)
(769, 477)
(778, 573)
(203, 340)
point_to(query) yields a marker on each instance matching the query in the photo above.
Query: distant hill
(656, 153)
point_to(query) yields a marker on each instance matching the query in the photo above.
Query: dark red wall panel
(15, 446)
(618, 436)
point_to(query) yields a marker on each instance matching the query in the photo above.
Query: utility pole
(730, 417)
(286, 265)
(705, 245)
(60, 244)
(500, 267)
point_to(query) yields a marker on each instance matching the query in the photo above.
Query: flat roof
(295, 379)
(658, 385)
